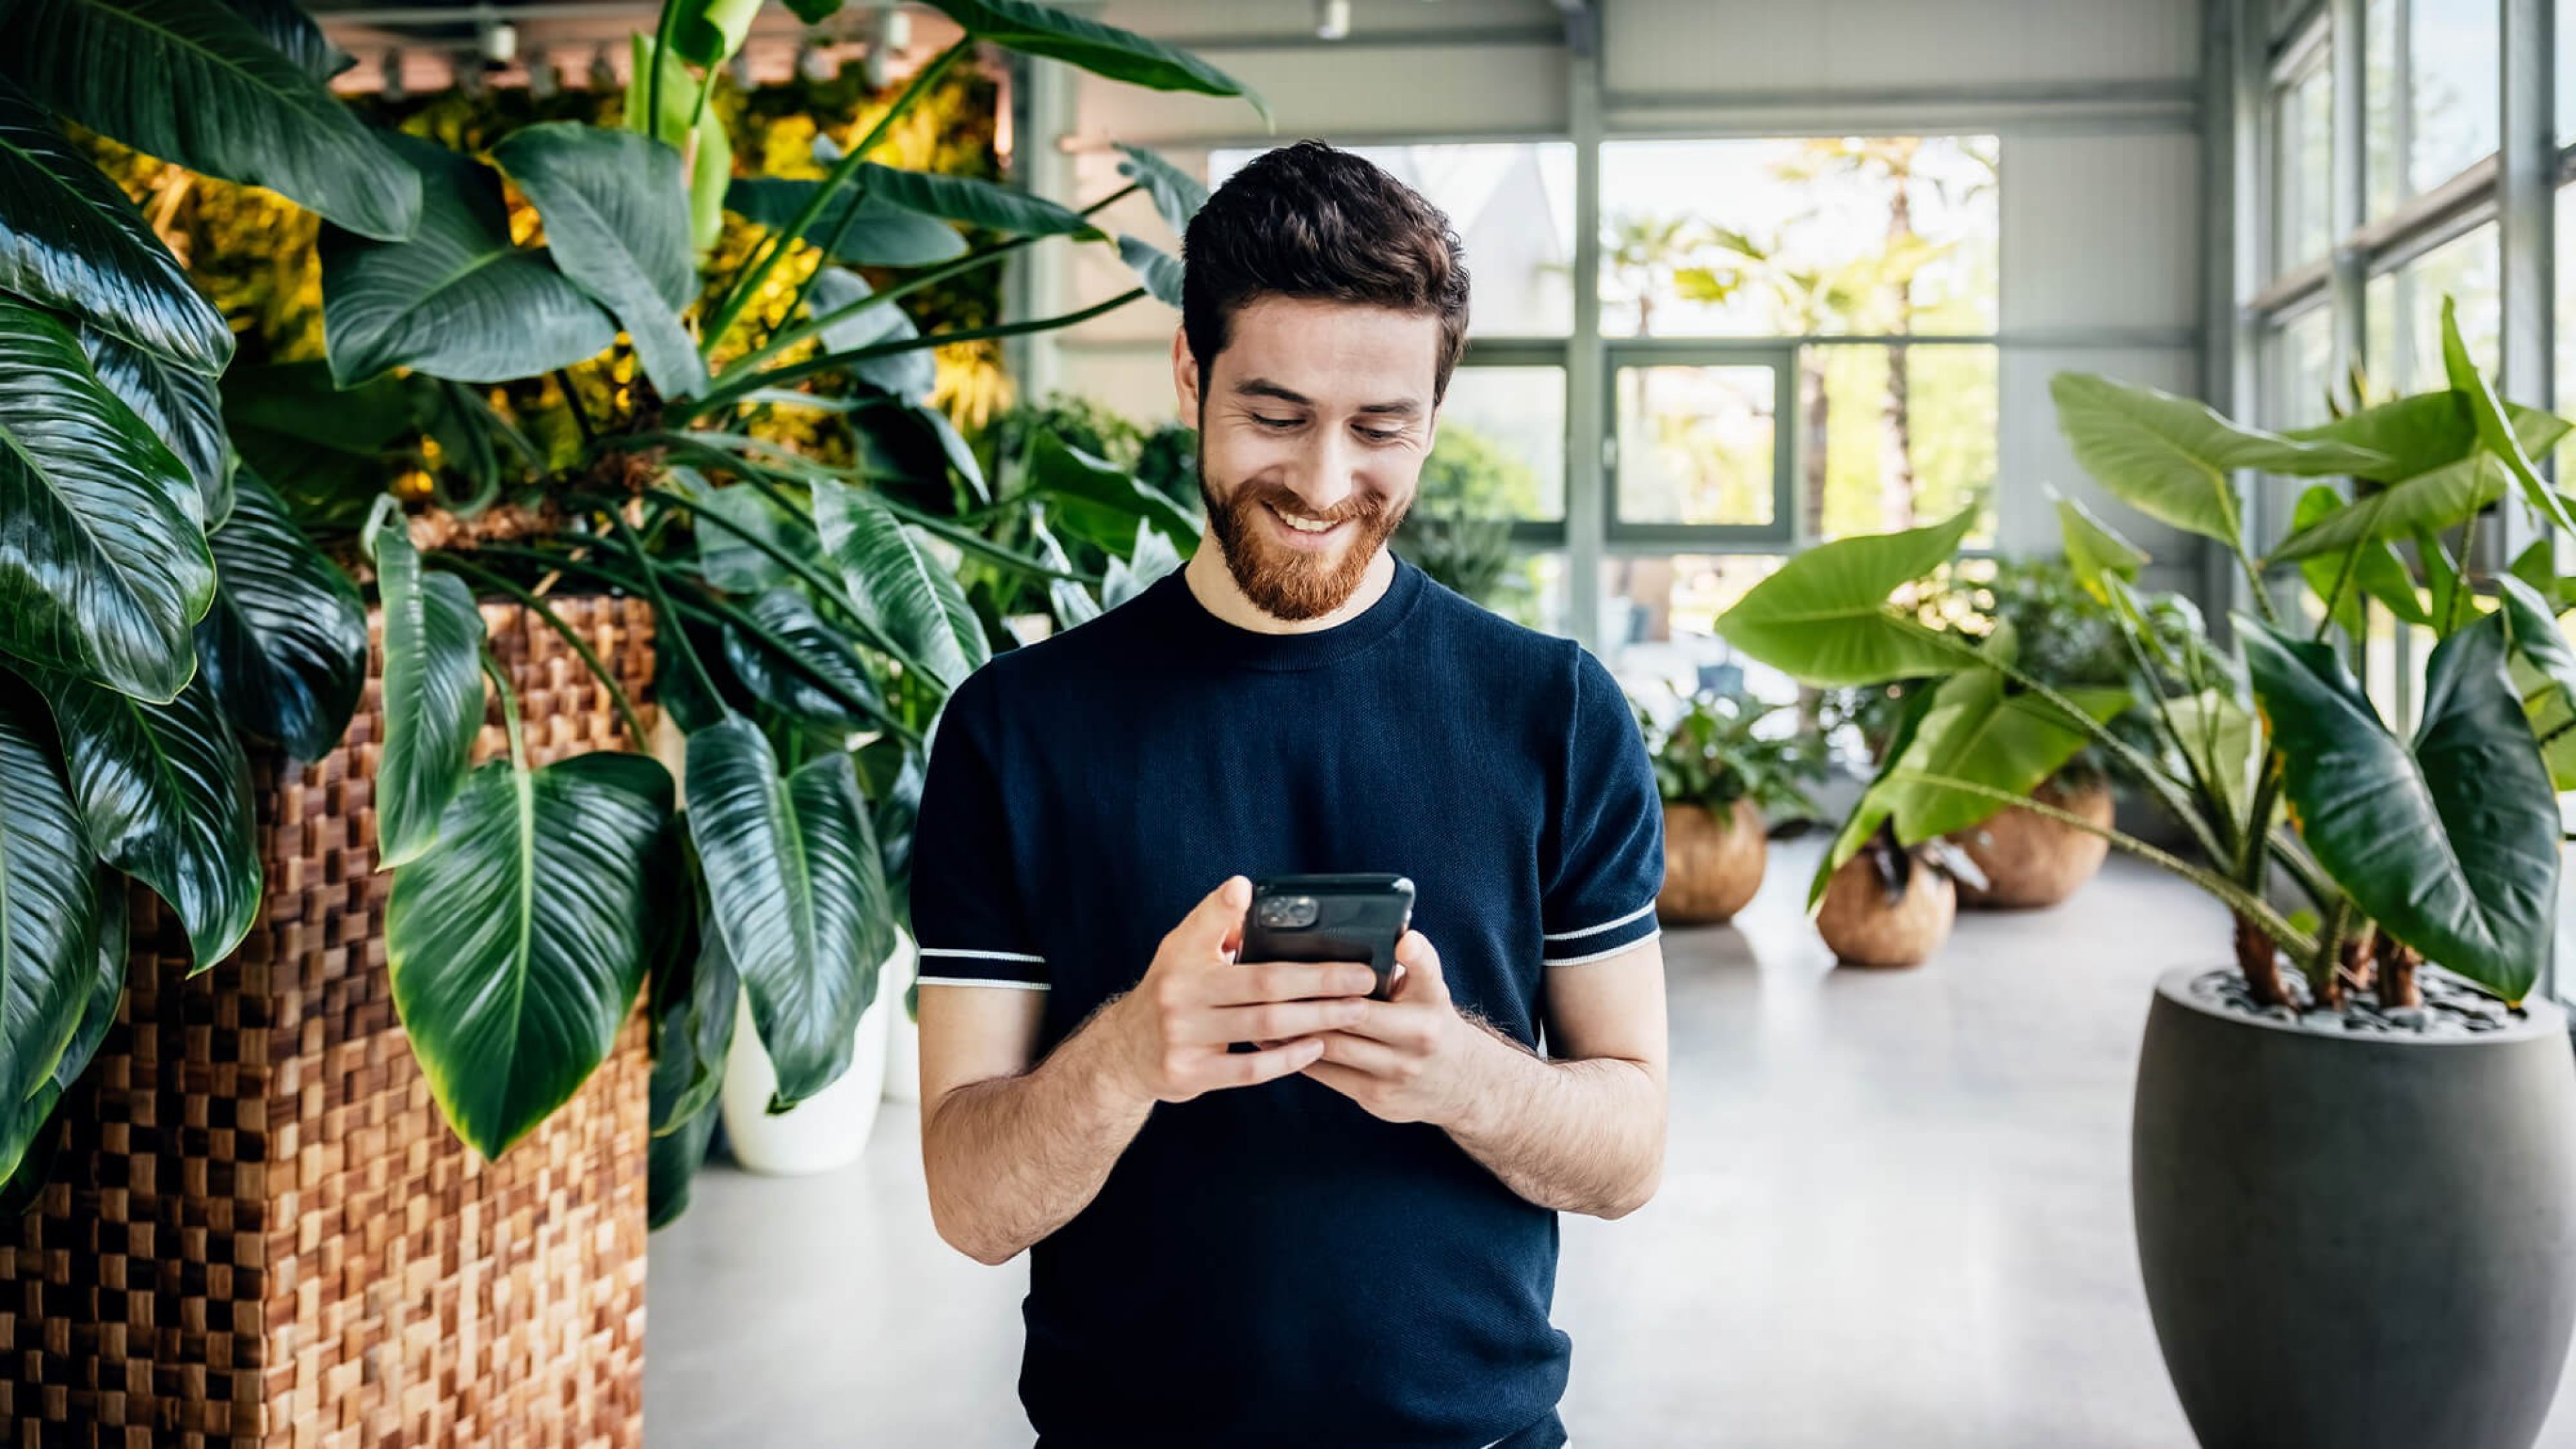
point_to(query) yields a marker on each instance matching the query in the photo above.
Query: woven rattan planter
(260, 1231)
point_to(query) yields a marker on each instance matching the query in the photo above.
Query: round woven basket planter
(1712, 863)
(260, 1231)
(1864, 928)
(2031, 860)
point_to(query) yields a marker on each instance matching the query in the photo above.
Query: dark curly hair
(1309, 220)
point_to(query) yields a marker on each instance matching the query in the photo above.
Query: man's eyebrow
(1264, 387)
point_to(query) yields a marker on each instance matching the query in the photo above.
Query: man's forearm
(1578, 1136)
(1012, 1159)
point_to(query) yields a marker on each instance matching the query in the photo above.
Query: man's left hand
(1411, 1058)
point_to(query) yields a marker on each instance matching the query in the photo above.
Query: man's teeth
(1303, 524)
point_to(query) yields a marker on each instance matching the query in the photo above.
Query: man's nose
(1327, 473)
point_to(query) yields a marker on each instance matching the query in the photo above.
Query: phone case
(1355, 916)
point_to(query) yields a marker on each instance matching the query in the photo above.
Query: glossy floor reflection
(1895, 1213)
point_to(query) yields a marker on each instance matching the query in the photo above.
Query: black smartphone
(1351, 916)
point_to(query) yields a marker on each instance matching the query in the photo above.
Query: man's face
(1316, 413)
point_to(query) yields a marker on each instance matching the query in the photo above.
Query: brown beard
(1288, 585)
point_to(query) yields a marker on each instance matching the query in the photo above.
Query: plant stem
(718, 614)
(645, 566)
(757, 274)
(725, 396)
(572, 400)
(2152, 774)
(2227, 891)
(830, 591)
(662, 32)
(2343, 575)
(617, 697)
(509, 708)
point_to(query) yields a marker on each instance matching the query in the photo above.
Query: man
(1343, 1234)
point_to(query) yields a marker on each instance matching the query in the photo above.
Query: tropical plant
(2438, 846)
(2070, 639)
(1459, 527)
(159, 602)
(1724, 747)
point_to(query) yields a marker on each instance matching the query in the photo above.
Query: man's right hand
(1168, 1036)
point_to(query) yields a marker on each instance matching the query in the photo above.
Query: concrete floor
(1895, 1212)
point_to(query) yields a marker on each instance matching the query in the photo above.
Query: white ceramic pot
(903, 1034)
(828, 1130)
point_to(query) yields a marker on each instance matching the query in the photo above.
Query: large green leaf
(1073, 602)
(1159, 270)
(908, 375)
(459, 299)
(1100, 501)
(322, 448)
(49, 909)
(2374, 571)
(192, 82)
(103, 560)
(796, 890)
(709, 147)
(70, 239)
(1177, 194)
(1981, 732)
(181, 407)
(708, 32)
(617, 222)
(692, 1033)
(976, 203)
(1824, 617)
(2094, 549)
(164, 793)
(898, 584)
(813, 650)
(1876, 801)
(2496, 432)
(285, 646)
(2223, 744)
(516, 943)
(2169, 457)
(673, 1158)
(1103, 50)
(2426, 502)
(432, 694)
(878, 233)
(2452, 845)
(2542, 667)
(295, 35)
(27, 1143)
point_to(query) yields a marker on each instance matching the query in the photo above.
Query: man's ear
(1185, 374)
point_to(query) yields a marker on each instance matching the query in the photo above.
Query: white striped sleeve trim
(1604, 926)
(980, 981)
(979, 955)
(1595, 956)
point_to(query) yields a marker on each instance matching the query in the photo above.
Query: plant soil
(2448, 1008)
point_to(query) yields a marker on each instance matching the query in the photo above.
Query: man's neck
(1212, 583)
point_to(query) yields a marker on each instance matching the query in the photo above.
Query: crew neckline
(1230, 643)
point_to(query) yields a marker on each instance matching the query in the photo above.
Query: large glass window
(2303, 166)
(1512, 205)
(1659, 611)
(1500, 452)
(2431, 68)
(1799, 238)
(2402, 312)
(1698, 443)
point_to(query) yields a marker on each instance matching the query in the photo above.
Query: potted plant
(2354, 1150)
(1725, 770)
(574, 490)
(2071, 640)
(1891, 906)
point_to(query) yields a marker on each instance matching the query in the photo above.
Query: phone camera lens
(1288, 913)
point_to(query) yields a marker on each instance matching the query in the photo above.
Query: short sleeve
(966, 917)
(1601, 887)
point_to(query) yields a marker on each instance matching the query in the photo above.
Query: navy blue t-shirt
(1272, 1265)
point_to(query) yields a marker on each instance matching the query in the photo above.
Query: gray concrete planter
(2356, 1240)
